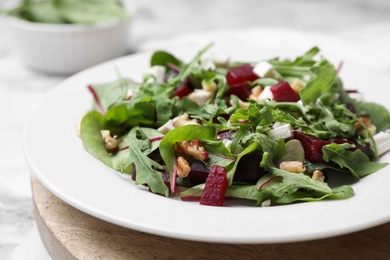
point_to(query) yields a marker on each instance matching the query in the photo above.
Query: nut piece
(360, 130)
(293, 166)
(256, 91)
(241, 103)
(296, 85)
(209, 86)
(192, 148)
(318, 176)
(183, 168)
(111, 142)
(266, 203)
(183, 119)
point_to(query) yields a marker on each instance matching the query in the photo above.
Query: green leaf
(91, 125)
(162, 58)
(324, 78)
(378, 115)
(358, 163)
(179, 134)
(77, 11)
(218, 153)
(139, 147)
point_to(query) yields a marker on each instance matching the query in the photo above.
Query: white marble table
(355, 28)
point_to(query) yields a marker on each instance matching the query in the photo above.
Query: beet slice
(240, 74)
(283, 92)
(198, 173)
(312, 146)
(183, 90)
(214, 190)
(241, 90)
(248, 169)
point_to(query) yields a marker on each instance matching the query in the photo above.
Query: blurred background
(356, 29)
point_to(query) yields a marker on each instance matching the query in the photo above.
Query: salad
(69, 11)
(273, 132)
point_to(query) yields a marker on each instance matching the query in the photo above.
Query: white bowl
(67, 48)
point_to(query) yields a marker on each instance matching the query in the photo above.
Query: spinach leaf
(70, 11)
(162, 58)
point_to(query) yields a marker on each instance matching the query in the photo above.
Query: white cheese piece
(220, 59)
(227, 143)
(207, 64)
(356, 96)
(168, 126)
(183, 119)
(382, 141)
(158, 72)
(265, 70)
(266, 94)
(283, 131)
(200, 96)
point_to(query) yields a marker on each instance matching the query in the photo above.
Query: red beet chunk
(198, 173)
(312, 146)
(240, 74)
(214, 190)
(283, 92)
(248, 169)
(183, 90)
(241, 90)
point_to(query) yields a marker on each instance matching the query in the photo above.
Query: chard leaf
(358, 163)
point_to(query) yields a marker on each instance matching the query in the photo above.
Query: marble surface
(355, 28)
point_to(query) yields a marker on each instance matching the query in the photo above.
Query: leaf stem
(96, 98)
(157, 138)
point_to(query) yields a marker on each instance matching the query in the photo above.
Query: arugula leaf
(218, 153)
(342, 192)
(325, 77)
(358, 163)
(139, 147)
(188, 68)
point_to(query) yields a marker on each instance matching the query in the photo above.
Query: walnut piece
(360, 130)
(183, 168)
(318, 176)
(192, 148)
(293, 166)
(110, 141)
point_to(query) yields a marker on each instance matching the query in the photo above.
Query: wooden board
(71, 234)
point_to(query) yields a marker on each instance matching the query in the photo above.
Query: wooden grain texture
(71, 234)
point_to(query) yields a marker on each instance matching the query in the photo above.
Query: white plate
(57, 158)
